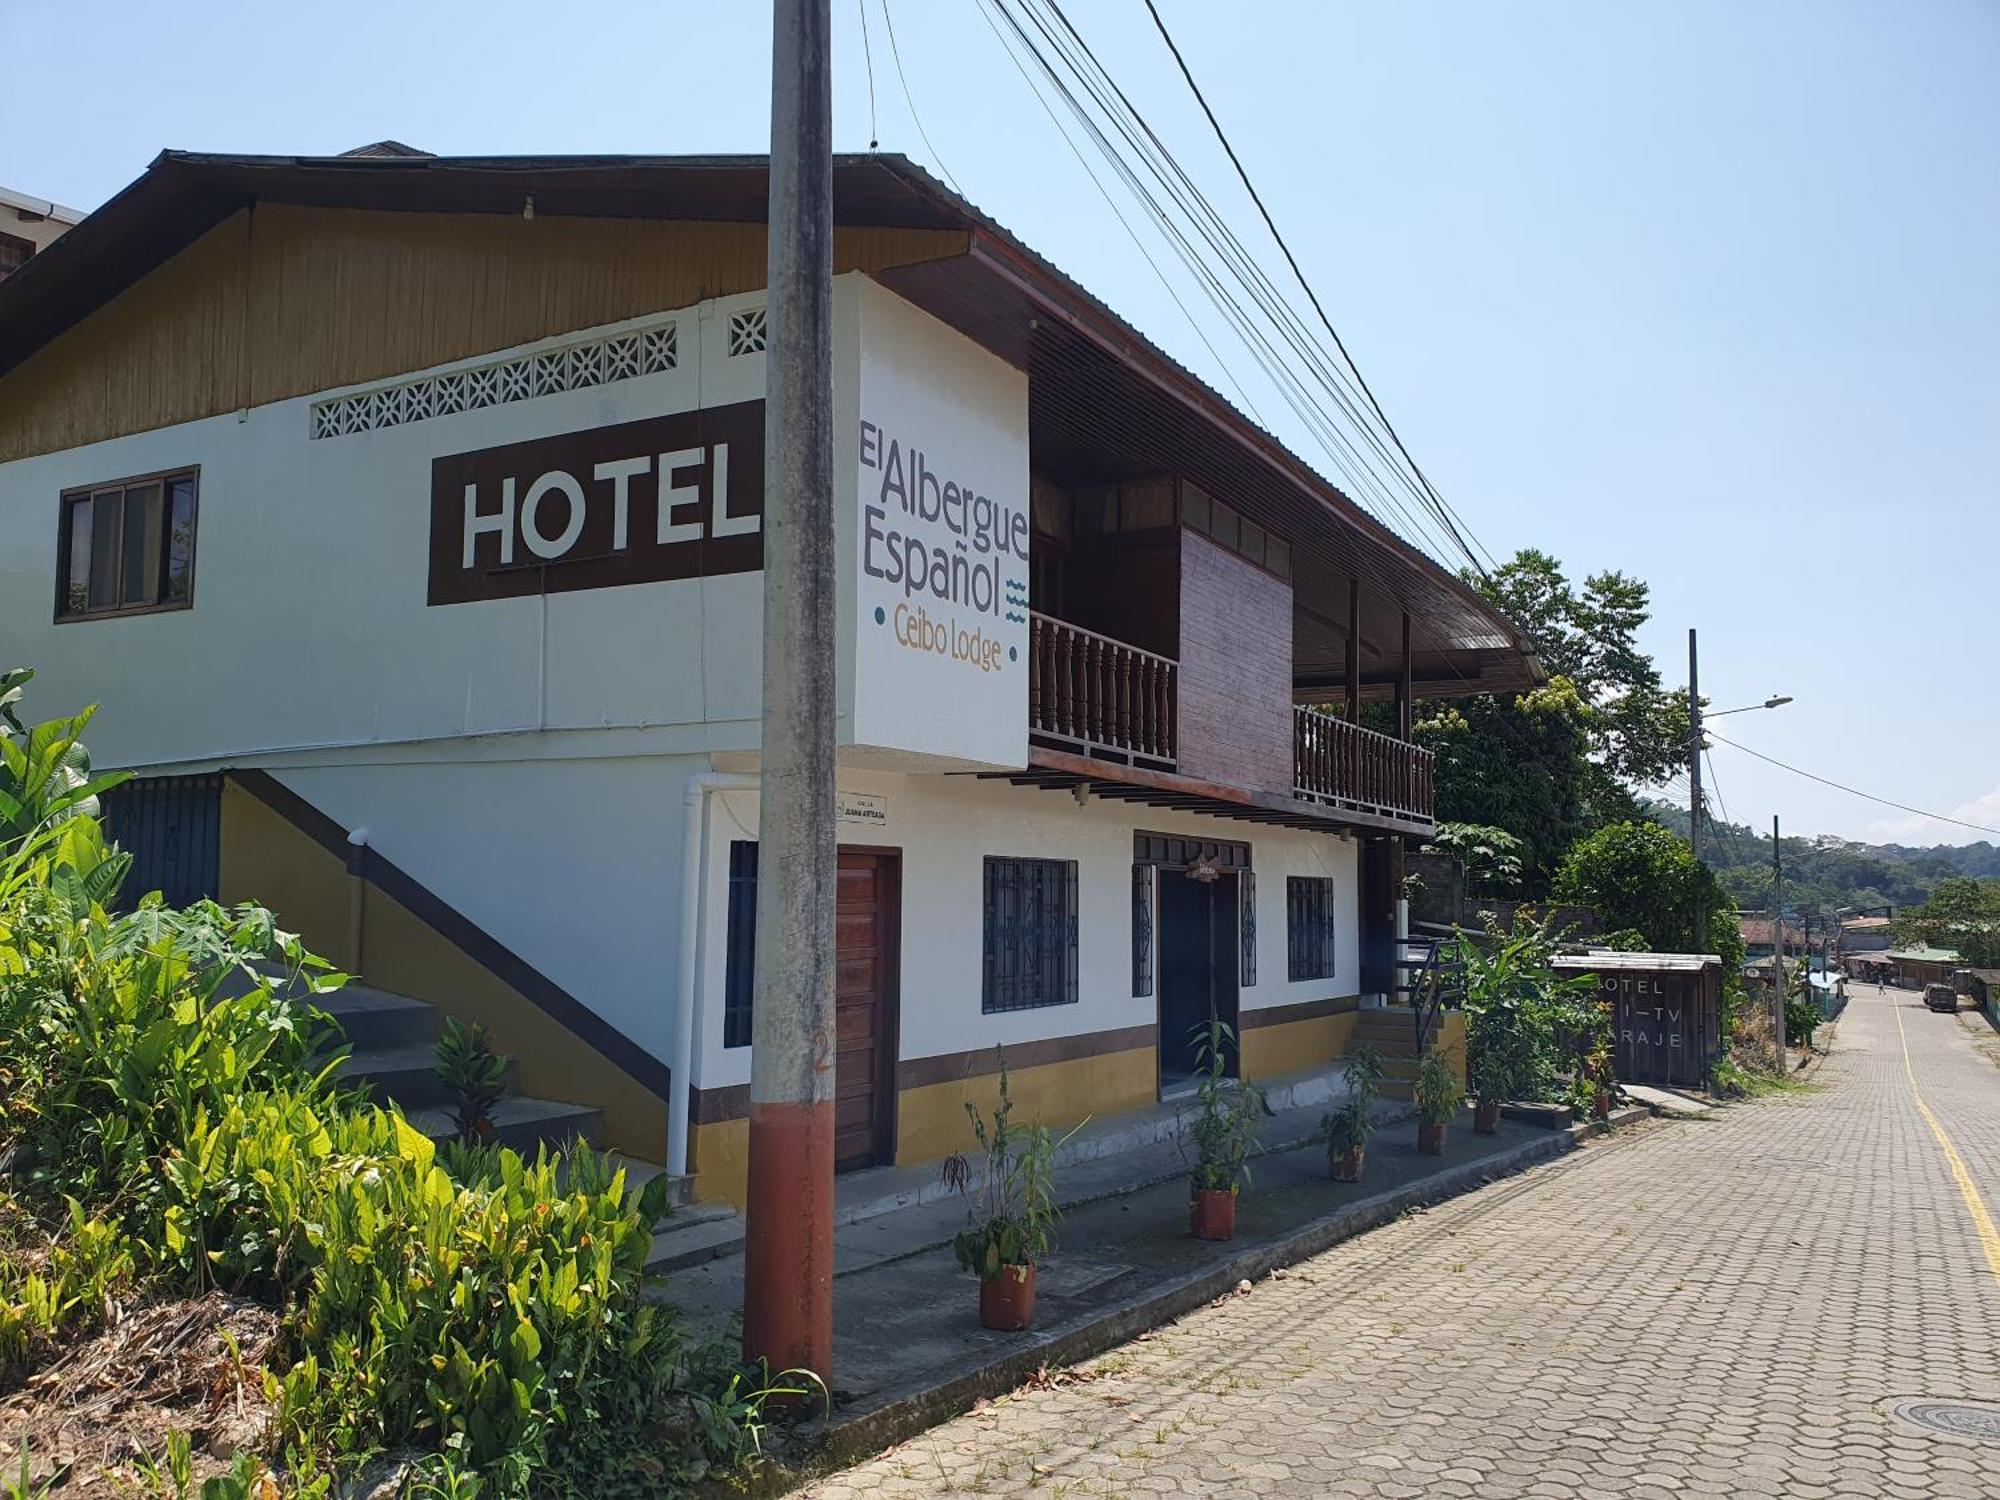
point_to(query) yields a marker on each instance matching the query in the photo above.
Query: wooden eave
(1058, 770)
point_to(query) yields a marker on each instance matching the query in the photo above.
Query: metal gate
(172, 828)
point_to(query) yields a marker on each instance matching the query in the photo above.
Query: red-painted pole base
(788, 1238)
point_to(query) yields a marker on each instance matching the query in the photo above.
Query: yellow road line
(1989, 1235)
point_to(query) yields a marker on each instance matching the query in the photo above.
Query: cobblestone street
(1730, 1306)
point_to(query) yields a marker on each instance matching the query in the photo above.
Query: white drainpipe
(694, 868)
(1402, 978)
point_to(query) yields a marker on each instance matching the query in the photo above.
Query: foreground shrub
(170, 1123)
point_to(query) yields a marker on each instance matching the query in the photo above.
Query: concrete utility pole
(1694, 764)
(788, 1236)
(1778, 935)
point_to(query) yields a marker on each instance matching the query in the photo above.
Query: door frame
(1165, 865)
(889, 1034)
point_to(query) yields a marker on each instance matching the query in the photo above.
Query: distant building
(1914, 966)
(29, 226)
(1756, 934)
(1865, 934)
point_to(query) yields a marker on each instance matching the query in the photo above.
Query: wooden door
(864, 1079)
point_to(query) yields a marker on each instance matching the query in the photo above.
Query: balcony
(1339, 764)
(1101, 698)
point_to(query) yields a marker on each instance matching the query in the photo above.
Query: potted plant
(1438, 1095)
(1598, 1069)
(1219, 1140)
(1011, 1222)
(1347, 1127)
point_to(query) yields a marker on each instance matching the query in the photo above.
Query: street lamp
(1776, 700)
(1695, 716)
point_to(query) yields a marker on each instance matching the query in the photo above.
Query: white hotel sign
(941, 535)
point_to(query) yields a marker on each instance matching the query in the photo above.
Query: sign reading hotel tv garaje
(679, 496)
(941, 542)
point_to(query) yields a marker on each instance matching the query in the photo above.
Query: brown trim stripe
(1305, 1010)
(713, 1106)
(458, 929)
(952, 1067)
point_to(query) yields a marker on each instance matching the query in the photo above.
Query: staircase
(392, 1041)
(1391, 1033)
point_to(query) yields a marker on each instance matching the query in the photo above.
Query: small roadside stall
(1666, 1012)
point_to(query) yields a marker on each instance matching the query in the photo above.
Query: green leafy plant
(170, 1122)
(1437, 1090)
(1518, 1008)
(1217, 1143)
(1491, 856)
(1011, 1219)
(1347, 1127)
(474, 1070)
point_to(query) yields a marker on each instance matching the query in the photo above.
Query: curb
(901, 1415)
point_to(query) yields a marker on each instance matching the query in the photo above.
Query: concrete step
(680, 1192)
(369, 1017)
(373, 1019)
(522, 1124)
(699, 1232)
(403, 1075)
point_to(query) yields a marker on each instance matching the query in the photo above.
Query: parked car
(1940, 996)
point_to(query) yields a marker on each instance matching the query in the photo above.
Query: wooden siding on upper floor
(281, 300)
(1235, 670)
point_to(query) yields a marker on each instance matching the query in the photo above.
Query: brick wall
(1236, 669)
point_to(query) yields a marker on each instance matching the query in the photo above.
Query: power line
(915, 118)
(1123, 222)
(1852, 791)
(1144, 145)
(1444, 510)
(868, 56)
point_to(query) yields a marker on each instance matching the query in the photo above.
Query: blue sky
(1701, 291)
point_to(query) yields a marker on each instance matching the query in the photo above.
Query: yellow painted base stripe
(1989, 1236)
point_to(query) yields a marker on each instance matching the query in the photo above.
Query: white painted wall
(945, 826)
(310, 628)
(573, 864)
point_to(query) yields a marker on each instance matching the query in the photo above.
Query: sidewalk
(908, 1348)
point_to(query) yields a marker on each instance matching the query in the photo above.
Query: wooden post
(1353, 650)
(1403, 684)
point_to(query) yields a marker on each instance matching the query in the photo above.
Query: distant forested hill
(1825, 872)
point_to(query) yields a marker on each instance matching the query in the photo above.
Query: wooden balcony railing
(1342, 764)
(1099, 696)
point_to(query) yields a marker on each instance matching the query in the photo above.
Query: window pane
(740, 962)
(1148, 503)
(1251, 542)
(1194, 507)
(180, 538)
(1278, 556)
(106, 534)
(76, 592)
(1223, 527)
(142, 545)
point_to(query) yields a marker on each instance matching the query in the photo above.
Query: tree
(1491, 856)
(1589, 635)
(1637, 875)
(1520, 764)
(1553, 763)
(1962, 914)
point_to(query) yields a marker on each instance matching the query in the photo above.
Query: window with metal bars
(1030, 934)
(740, 940)
(1310, 927)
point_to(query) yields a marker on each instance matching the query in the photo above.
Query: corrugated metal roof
(1615, 958)
(1925, 955)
